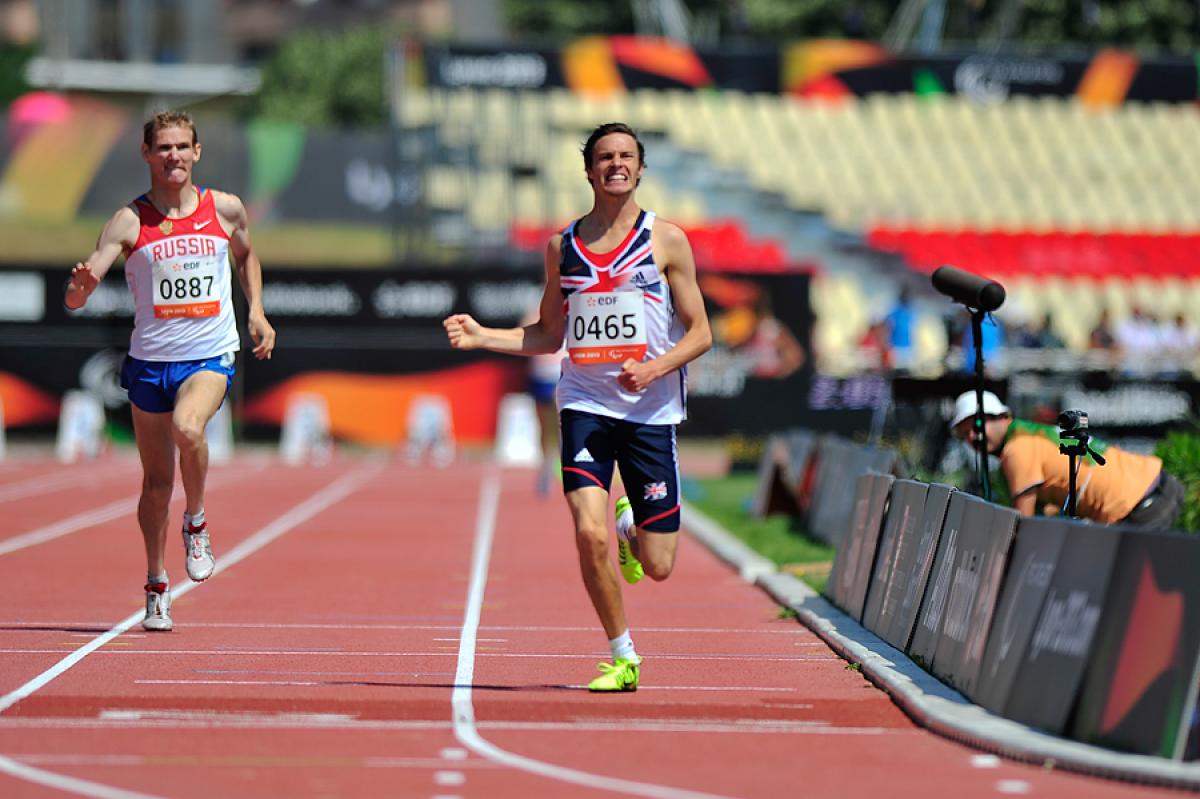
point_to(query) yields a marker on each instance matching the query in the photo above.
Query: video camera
(1073, 423)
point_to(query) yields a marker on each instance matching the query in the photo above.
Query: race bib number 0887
(186, 288)
(606, 327)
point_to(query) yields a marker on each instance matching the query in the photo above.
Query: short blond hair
(168, 119)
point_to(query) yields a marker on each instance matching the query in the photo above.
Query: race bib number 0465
(606, 327)
(186, 288)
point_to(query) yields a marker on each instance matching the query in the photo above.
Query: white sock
(622, 647)
(194, 521)
(158, 578)
(625, 526)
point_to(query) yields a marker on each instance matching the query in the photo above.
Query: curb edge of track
(929, 702)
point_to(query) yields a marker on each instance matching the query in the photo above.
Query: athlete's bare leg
(656, 551)
(589, 509)
(196, 402)
(156, 448)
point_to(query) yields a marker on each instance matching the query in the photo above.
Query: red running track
(376, 629)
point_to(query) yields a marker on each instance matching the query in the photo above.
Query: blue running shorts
(152, 385)
(645, 454)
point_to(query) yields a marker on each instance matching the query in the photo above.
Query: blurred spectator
(1180, 342)
(1102, 336)
(901, 320)
(1042, 335)
(874, 349)
(1138, 340)
(993, 338)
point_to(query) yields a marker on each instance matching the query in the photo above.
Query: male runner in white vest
(176, 239)
(621, 288)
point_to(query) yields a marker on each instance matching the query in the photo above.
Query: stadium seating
(1065, 204)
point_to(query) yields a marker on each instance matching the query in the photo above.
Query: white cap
(965, 406)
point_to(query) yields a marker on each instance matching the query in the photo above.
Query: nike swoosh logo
(202, 224)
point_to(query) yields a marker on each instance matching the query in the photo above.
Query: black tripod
(981, 444)
(1080, 449)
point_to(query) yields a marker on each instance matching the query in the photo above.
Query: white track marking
(42, 484)
(301, 513)
(62, 782)
(526, 628)
(658, 656)
(465, 728)
(89, 518)
(80, 521)
(186, 720)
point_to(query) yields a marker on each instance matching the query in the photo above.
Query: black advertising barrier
(903, 523)
(937, 589)
(858, 544)
(1050, 670)
(781, 471)
(372, 322)
(862, 554)
(1139, 692)
(648, 63)
(839, 463)
(841, 575)
(1034, 559)
(914, 564)
(982, 547)
(772, 494)
(999, 545)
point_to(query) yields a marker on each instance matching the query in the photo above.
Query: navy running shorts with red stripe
(645, 454)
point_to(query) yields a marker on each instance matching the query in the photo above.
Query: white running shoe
(158, 608)
(198, 552)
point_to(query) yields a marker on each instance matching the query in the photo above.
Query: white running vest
(615, 311)
(179, 274)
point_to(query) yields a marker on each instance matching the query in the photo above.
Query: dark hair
(600, 132)
(168, 119)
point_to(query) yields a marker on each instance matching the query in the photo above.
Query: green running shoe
(620, 675)
(631, 567)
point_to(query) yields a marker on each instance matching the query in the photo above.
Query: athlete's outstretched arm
(541, 336)
(118, 236)
(236, 222)
(680, 267)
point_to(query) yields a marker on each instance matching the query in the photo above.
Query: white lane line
(733, 688)
(89, 518)
(449, 778)
(131, 721)
(658, 656)
(43, 484)
(465, 728)
(73, 524)
(135, 761)
(227, 682)
(62, 782)
(301, 513)
(985, 761)
(7, 623)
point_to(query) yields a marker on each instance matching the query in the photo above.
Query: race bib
(606, 327)
(187, 288)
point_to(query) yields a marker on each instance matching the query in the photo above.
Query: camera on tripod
(1073, 424)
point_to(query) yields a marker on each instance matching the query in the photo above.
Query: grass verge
(780, 539)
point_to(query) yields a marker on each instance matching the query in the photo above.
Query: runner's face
(615, 165)
(171, 155)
